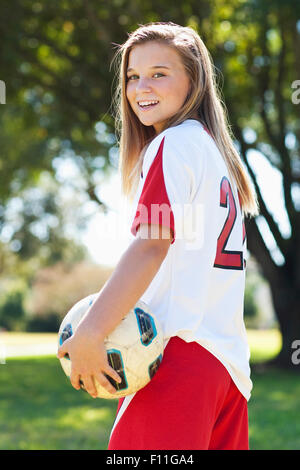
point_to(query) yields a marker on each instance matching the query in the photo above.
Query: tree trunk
(286, 304)
(284, 285)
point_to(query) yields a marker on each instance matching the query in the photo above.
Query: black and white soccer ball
(134, 348)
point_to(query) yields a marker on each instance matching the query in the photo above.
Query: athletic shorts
(191, 403)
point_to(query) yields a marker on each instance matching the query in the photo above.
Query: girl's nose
(143, 85)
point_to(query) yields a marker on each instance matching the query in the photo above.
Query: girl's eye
(131, 76)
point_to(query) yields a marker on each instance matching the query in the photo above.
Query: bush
(250, 305)
(12, 313)
(49, 323)
(56, 289)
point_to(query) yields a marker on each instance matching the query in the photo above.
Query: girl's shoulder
(178, 150)
(178, 139)
(183, 144)
(182, 132)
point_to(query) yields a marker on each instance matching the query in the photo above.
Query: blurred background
(63, 221)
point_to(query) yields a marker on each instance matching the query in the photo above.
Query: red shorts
(190, 404)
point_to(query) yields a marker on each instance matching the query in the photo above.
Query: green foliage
(49, 322)
(56, 64)
(250, 304)
(12, 312)
(39, 306)
(252, 285)
(36, 220)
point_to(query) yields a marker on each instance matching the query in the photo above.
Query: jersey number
(224, 258)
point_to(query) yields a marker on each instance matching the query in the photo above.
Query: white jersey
(198, 291)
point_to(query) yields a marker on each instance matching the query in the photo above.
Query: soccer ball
(134, 348)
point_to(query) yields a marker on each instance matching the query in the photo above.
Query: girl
(187, 261)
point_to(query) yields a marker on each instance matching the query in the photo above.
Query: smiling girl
(190, 192)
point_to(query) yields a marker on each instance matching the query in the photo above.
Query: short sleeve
(166, 191)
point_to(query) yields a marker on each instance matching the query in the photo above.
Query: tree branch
(277, 140)
(281, 242)
(263, 84)
(286, 163)
(93, 197)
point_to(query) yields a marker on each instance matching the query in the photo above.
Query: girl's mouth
(148, 106)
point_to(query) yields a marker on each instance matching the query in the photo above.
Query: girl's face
(155, 73)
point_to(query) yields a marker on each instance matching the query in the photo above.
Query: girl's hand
(89, 360)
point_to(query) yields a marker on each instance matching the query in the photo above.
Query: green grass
(274, 411)
(40, 410)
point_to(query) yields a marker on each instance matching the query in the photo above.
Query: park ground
(40, 410)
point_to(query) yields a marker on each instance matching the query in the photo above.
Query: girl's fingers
(113, 374)
(79, 380)
(75, 380)
(89, 385)
(105, 383)
(62, 350)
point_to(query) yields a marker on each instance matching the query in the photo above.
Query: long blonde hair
(203, 99)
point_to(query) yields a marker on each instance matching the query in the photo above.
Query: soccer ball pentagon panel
(134, 347)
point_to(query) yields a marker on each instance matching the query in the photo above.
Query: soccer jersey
(198, 291)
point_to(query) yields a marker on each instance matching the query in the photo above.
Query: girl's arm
(131, 277)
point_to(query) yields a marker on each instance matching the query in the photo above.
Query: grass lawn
(40, 410)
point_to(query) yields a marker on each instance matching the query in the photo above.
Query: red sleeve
(154, 206)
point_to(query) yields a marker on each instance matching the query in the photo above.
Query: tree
(56, 65)
(267, 42)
